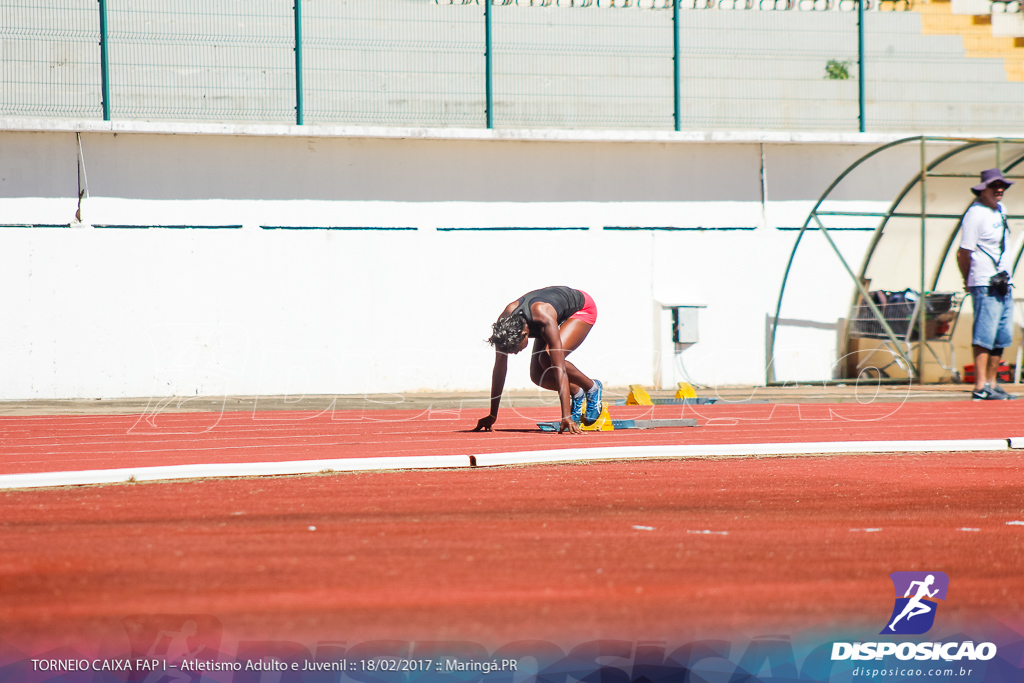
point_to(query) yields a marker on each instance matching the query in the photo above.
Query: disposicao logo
(914, 613)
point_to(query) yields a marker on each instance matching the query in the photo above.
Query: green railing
(667, 66)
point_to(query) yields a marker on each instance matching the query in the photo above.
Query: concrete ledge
(708, 451)
(242, 469)
(38, 125)
(254, 469)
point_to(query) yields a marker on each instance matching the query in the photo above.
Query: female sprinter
(559, 318)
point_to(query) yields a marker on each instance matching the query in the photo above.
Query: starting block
(685, 395)
(638, 396)
(685, 390)
(605, 423)
(624, 424)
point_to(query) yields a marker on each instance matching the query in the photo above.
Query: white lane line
(249, 469)
(711, 450)
(240, 469)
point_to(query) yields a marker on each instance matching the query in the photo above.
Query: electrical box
(684, 324)
(675, 330)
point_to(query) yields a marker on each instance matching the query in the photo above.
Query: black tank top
(565, 301)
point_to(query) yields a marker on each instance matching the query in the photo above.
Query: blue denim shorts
(993, 319)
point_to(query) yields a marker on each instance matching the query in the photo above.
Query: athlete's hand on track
(568, 425)
(485, 424)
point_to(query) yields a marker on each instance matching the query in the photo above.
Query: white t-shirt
(982, 229)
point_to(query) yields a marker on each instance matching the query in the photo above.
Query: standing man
(985, 264)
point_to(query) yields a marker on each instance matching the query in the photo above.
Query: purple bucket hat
(988, 177)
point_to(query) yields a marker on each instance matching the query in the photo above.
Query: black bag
(999, 284)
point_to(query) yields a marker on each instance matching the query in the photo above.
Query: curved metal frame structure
(921, 178)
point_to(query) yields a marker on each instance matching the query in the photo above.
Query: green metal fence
(643, 64)
(582, 67)
(393, 63)
(199, 60)
(50, 58)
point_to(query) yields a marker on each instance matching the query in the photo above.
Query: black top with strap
(565, 300)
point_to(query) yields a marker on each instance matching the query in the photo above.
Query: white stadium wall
(283, 302)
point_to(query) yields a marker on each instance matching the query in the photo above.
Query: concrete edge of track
(254, 469)
(240, 469)
(724, 450)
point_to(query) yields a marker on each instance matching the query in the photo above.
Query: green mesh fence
(393, 62)
(930, 70)
(769, 70)
(50, 58)
(202, 60)
(582, 67)
(743, 64)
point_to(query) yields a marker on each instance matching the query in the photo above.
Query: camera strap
(1002, 246)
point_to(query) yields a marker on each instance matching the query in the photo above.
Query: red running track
(664, 550)
(568, 552)
(60, 443)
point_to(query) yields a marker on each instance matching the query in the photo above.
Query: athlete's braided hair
(507, 333)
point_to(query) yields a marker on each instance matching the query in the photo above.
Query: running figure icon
(176, 651)
(915, 606)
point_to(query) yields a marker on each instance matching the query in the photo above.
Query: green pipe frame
(488, 65)
(677, 85)
(104, 62)
(298, 63)
(860, 65)
(969, 143)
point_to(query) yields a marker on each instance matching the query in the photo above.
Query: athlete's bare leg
(573, 331)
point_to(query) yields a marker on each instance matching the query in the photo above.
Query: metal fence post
(676, 70)
(488, 64)
(104, 62)
(298, 62)
(922, 304)
(860, 61)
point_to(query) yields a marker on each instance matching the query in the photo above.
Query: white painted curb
(252, 469)
(241, 469)
(811, 448)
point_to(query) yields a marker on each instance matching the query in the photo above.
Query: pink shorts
(588, 313)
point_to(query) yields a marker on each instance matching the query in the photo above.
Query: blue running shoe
(593, 403)
(577, 407)
(1000, 392)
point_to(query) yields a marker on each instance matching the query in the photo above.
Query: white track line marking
(240, 469)
(251, 469)
(709, 450)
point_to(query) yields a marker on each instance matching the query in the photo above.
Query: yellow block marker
(603, 424)
(686, 390)
(638, 396)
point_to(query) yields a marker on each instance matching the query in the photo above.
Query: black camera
(999, 284)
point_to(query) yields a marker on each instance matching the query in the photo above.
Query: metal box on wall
(684, 324)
